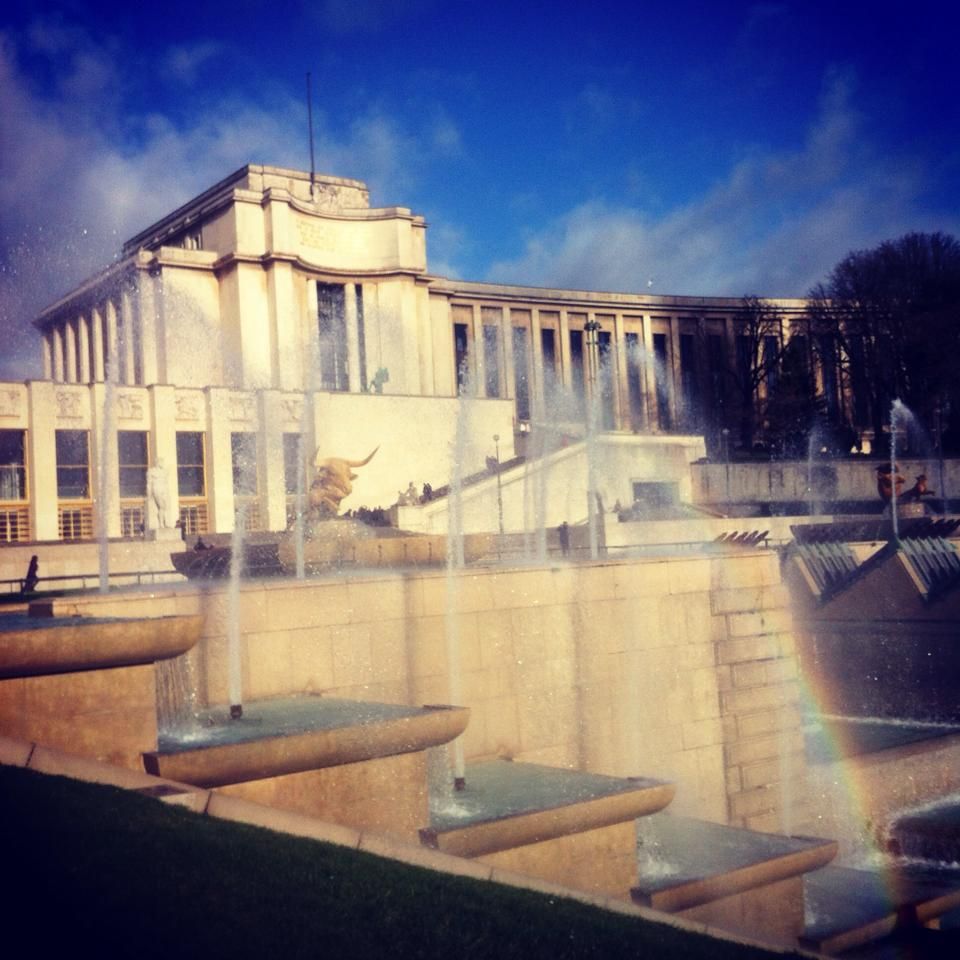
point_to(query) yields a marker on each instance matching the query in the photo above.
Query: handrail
(15, 585)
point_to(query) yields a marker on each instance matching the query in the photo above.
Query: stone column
(651, 407)
(509, 391)
(47, 356)
(312, 352)
(144, 304)
(70, 351)
(96, 336)
(478, 366)
(287, 363)
(621, 386)
(104, 463)
(536, 376)
(84, 321)
(56, 335)
(111, 349)
(676, 393)
(129, 364)
(566, 368)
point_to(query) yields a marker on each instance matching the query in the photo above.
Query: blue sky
(673, 147)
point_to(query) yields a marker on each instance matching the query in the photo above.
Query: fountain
(549, 660)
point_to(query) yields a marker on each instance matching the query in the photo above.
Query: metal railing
(86, 581)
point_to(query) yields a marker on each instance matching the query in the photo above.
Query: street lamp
(938, 414)
(591, 330)
(496, 442)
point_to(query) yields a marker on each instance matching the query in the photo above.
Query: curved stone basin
(278, 737)
(33, 646)
(508, 804)
(685, 863)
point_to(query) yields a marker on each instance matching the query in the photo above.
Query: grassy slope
(98, 868)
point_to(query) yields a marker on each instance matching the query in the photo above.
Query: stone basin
(293, 735)
(685, 863)
(508, 804)
(33, 646)
(847, 907)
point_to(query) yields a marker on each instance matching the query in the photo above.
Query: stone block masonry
(680, 668)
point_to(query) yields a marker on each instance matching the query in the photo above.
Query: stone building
(278, 314)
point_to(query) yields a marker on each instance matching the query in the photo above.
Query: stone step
(847, 907)
(730, 877)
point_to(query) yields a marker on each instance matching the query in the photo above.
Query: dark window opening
(132, 459)
(491, 360)
(461, 355)
(635, 380)
(73, 464)
(521, 375)
(190, 476)
(332, 326)
(661, 376)
(12, 465)
(243, 454)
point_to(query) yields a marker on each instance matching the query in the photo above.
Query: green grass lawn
(98, 869)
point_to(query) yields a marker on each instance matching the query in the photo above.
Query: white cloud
(85, 172)
(350, 16)
(183, 63)
(774, 225)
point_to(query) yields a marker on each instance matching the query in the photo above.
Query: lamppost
(725, 434)
(591, 330)
(496, 443)
(938, 415)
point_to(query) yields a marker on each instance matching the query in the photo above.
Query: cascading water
(176, 698)
(234, 667)
(104, 499)
(455, 562)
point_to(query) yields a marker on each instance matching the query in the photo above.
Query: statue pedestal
(165, 534)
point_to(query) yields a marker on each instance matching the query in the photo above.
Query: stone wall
(680, 668)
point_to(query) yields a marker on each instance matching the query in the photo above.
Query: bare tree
(758, 349)
(892, 315)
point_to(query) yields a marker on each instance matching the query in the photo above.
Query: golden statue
(332, 481)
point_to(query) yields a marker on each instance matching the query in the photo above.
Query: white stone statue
(157, 497)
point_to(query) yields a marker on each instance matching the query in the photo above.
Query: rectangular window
(827, 348)
(13, 481)
(718, 367)
(661, 375)
(548, 350)
(771, 360)
(635, 379)
(132, 459)
(521, 371)
(243, 453)
(332, 329)
(461, 355)
(491, 359)
(73, 464)
(689, 380)
(190, 462)
(576, 365)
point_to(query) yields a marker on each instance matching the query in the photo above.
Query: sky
(678, 147)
